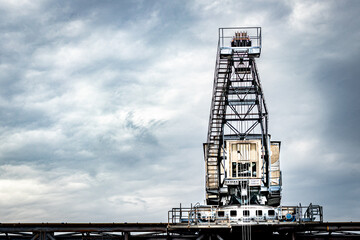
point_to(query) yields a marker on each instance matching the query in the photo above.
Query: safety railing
(240, 37)
(250, 214)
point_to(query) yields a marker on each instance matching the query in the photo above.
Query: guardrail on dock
(253, 214)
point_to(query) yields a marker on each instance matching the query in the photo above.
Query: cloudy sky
(104, 105)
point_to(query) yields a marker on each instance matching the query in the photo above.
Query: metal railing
(192, 215)
(212, 215)
(226, 35)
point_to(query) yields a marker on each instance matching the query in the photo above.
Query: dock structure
(119, 231)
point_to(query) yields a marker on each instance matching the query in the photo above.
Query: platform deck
(104, 231)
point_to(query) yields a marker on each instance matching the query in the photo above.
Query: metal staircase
(215, 130)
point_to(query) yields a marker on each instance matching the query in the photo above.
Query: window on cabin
(233, 213)
(243, 170)
(221, 214)
(233, 169)
(271, 213)
(253, 169)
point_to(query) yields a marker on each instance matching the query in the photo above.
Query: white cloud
(310, 18)
(21, 7)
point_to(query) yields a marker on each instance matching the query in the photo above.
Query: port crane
(242, 163)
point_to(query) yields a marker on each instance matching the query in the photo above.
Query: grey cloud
(104, 106)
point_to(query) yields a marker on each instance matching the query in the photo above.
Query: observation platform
(246, 40)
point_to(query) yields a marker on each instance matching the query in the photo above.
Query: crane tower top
(245, 40)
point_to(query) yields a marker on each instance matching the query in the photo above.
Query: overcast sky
(104, 105)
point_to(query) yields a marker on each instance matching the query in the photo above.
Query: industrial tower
(242, 164)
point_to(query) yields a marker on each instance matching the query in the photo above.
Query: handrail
(209, 215)
(254, 34)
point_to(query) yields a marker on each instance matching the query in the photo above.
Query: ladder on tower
(215, 131)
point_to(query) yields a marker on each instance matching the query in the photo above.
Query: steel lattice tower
(238, 108)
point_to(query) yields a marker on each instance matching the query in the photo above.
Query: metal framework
(212, 215)
(238, 108)
(120, 231)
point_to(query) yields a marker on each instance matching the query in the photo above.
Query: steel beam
(112, 231)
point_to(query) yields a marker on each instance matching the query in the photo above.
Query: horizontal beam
(110, 231)
(163, 227)
(82, 227)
